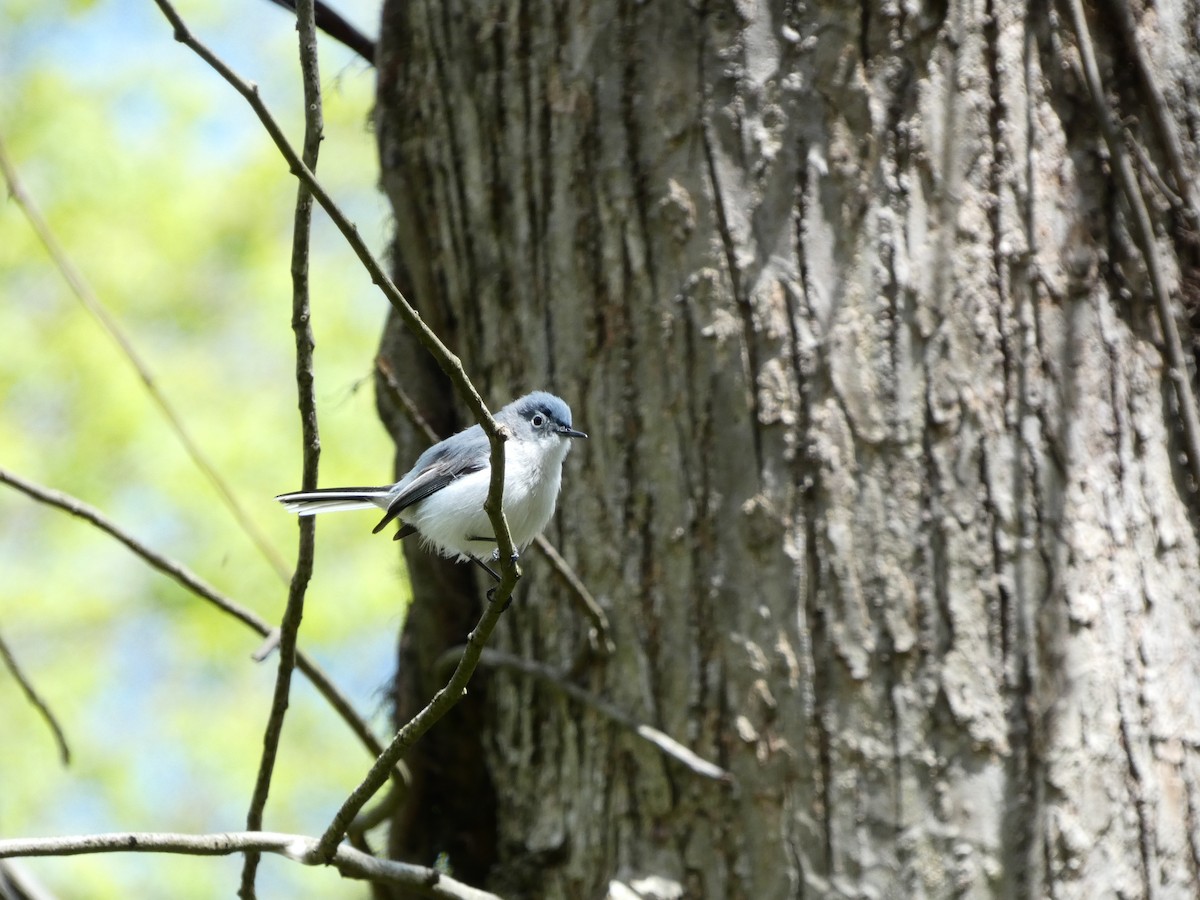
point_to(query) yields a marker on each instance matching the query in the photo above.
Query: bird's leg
(495, 551)
(486, 568)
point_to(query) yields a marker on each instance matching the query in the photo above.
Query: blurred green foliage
(167, 195)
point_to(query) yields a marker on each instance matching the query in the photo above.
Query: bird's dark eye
(538, 420)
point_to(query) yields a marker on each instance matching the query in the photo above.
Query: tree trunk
(883, 495)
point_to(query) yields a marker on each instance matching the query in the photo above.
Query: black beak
(570, 432)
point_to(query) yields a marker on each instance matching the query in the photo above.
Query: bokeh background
(170, 199)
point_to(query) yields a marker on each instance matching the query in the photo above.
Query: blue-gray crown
(545, 403)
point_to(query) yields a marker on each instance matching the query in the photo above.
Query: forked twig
(1160, 115)
(450, 364)
(331, 22)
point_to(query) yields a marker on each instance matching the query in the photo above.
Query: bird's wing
(437, 467)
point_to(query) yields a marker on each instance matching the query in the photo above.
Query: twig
(379, 813)
(84, 293)
(453, 367)
(289, 629)
(18, 883)
(297, 847)
(498, 659)
(194, 584)
(1148, 167)
(450, 364)
(602, 632)
(441, 703)
(10, 663)
(407, 404)
(1143, 231)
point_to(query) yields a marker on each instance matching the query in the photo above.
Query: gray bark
(883, 495)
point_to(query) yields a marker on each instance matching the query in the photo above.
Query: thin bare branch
(411, 732)
(18, 883)
(31, 694)
(1148, 167)
(296, 847)
(377, 814)
(83, 292)
(194, 584)
(447, 361)
(448, 696)
(1143, 233)
(407, 404)
(450, 364)
(498, 659)
(602, 632)
(289, 629)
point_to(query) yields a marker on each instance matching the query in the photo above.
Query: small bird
(441, 497)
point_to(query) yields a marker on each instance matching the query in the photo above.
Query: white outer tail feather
(309, 503)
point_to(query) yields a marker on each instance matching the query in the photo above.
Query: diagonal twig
(452, 366)
(413, 730)
(21, 884)
(602, 632)
(297, 847)
(289, 628)
(196, 585)
(448, 362)
(83, 292)
(10, 663)
(498, 659)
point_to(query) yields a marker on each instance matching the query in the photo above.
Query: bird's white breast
(532, 478)
(449, 519)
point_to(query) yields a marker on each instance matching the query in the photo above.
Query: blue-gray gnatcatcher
(441, 498)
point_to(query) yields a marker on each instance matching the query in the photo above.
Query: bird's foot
(516, 555)
(491, 595)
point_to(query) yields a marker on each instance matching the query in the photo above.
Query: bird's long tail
(322, 500)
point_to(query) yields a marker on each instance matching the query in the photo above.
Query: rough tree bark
(883, 496)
